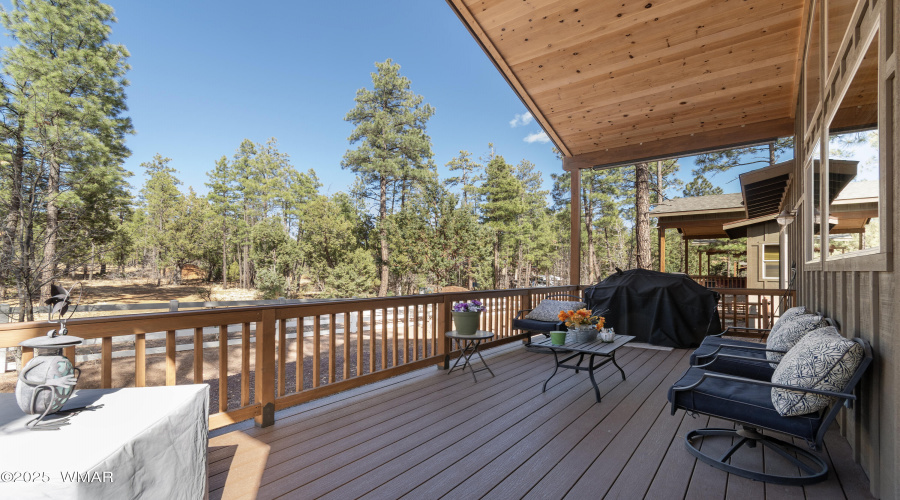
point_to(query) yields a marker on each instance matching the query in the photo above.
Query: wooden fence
(260, 366)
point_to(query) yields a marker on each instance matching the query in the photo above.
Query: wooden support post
(170, 357)
(662, 249)
(265, 369)
(140, 360)
(575, 228)
(198, 355)
(223, 367)
(443, 320)
(106, 362)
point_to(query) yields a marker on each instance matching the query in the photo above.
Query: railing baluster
(245, 364)
(301, 356)
(282, 354)
(170, 357)
(140, 360)
(372, 323)
(332, 346)
(394, 337)
(406, 335)
(223, 367)
(384, 343)
(346, 346)
(198, 355)
(415, 332)
(105, 363)
(317, 362)
(359, 343)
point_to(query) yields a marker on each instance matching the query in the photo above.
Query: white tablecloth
(142, 443)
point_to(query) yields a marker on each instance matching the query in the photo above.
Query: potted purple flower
(466, 316)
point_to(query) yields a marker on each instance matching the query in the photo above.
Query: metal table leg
(469, 348)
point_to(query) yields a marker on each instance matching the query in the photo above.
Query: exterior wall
(860, 293)
(757, 236)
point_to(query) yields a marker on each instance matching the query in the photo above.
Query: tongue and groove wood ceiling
(615, 82)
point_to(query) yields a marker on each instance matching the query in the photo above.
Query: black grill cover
(664, 309)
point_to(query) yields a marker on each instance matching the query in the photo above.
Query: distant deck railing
(341, 344)
(721, 281)
(753, 307)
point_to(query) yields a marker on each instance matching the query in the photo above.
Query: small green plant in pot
(466, 316)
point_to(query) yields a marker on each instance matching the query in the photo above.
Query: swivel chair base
(812, 468)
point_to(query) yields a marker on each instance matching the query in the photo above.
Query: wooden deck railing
(261, 359)
(721, 281)
(753, 307)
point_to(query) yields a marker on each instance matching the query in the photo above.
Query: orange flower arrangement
(581, 317)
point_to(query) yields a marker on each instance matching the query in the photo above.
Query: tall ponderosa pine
(224, 197)
(394, 150)
(501, 207)
(64, 85)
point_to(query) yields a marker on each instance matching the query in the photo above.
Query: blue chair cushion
(749, 369)
(533, 325)
(742, 402)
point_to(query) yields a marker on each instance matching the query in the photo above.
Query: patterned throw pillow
(790, 330)
(794, 311)
(822, 359)
(548, 310)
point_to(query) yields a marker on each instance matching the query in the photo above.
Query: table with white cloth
(147, 442)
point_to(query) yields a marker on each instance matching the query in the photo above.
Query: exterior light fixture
(785, 218)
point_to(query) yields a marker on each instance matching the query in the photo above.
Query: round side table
(468, 346)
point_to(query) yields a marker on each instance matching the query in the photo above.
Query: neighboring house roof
(699, 204)
(858, 191)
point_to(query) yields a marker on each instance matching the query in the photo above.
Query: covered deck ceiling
(614, 82)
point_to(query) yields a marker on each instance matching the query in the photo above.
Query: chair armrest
(520, 314)
(750, 381)
(741, 328)
(745, 348)
(739, 358)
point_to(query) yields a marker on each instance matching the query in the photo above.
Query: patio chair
(751, 404)
(739, 357)
(533, 326)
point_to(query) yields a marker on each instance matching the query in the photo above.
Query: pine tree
(223, 197)
(64, 84)
(501, 206)
(394, 150)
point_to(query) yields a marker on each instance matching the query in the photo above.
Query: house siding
(757, 236)
(862, 298)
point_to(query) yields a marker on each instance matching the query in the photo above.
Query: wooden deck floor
(432, 435)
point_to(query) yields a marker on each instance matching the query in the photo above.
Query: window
(852, 195)
(771, 259)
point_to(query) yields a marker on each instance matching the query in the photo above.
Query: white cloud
(521, 120)
(537, 137)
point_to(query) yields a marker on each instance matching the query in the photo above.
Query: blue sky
(208, 74)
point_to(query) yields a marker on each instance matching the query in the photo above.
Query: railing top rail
(129, 324)
(752, 291)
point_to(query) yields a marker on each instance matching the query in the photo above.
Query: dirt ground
(139, 290)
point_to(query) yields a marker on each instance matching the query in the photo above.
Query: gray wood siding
(863, 301)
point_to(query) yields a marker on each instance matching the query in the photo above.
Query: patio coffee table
(597, 348)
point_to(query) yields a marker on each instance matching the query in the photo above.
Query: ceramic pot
(558, 338)
(466, 322)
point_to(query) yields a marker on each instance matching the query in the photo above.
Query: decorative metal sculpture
(47, 381)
